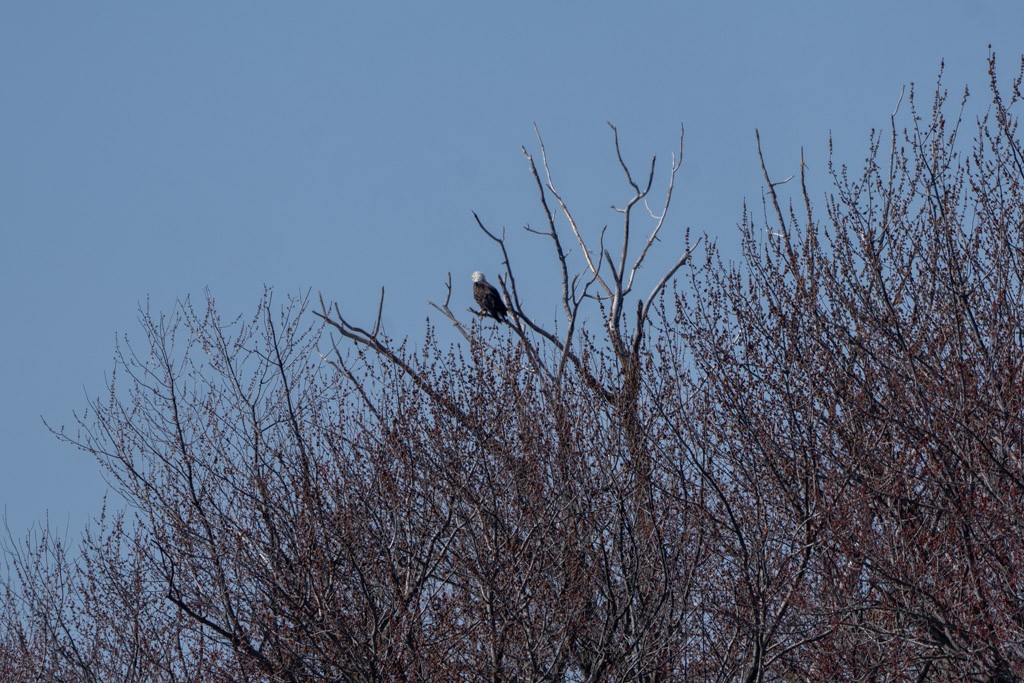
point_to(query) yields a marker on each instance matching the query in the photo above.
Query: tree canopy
(804, 464)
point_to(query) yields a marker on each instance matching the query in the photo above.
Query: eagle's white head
(479, 277)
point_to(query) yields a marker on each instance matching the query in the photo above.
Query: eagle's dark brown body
(488, 299)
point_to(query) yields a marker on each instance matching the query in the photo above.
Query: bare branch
(771, 185)
(446, 310)
(553, 233)
(595, 270)
(667, 277)
(676, 163)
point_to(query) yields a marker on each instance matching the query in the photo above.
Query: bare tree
(89, 615)
(861, 377)
(804, 464)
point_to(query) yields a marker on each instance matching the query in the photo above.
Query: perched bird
(488, 299)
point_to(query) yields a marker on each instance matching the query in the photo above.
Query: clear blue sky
(152, 149)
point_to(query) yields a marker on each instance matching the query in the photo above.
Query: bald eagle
(488, 299)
